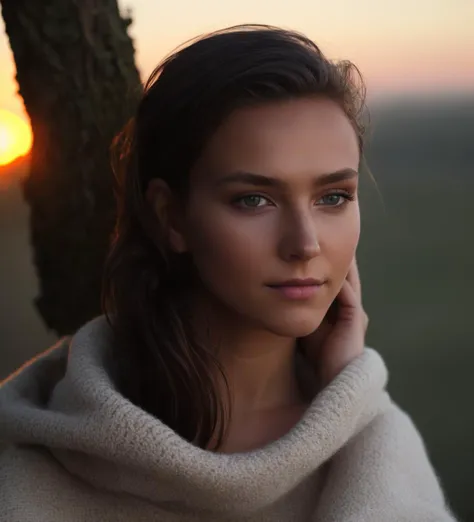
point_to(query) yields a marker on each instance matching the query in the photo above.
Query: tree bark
(79, 82)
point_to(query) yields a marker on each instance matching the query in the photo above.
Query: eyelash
(347, 196)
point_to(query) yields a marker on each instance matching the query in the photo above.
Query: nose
(300, 240)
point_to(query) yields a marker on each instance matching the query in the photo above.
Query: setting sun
(15, 137)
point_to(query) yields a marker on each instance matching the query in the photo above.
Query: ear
(160, 198)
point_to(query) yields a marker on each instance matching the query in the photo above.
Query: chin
(296, 324)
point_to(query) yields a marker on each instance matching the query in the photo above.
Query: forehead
(286, 139)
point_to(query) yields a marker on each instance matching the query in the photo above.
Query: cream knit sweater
(78, 451)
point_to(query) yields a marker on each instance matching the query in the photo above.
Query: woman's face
(273, 198)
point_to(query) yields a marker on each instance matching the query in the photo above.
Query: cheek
(227, 253)
(340, 243)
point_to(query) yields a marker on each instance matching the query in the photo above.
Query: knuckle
(365, 318)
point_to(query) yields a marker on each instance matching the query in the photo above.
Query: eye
(336, 199)
(250, 201)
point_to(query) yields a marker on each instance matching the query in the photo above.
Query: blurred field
(416, 259)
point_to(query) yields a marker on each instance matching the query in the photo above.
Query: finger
(354, 279)
(347, 296)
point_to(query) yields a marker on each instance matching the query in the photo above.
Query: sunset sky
(400, 46)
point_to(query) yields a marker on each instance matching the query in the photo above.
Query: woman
(228, 379)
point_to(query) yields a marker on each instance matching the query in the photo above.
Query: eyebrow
(260, 180)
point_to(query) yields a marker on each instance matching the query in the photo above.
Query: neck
(259, 366)
(260, 372)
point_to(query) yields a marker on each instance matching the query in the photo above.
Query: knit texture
(78, 451)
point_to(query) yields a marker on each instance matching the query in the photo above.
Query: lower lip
(297, 292)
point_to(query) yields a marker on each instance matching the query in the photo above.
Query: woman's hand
(341, 336)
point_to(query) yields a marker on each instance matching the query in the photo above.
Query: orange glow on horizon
(15, 137)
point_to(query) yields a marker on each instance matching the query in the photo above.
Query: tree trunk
(78, 79)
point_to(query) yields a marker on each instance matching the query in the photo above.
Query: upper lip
(299, 282)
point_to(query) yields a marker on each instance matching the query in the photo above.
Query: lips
(298, 289)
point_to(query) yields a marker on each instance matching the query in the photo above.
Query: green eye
(251, 201)
(333, 200)
(336, 199)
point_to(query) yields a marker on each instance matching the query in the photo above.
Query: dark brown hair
(160, 366)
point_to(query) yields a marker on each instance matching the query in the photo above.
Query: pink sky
(400, 46)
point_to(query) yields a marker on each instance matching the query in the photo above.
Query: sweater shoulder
(35, 487)
(395, 452)
(28, 476)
